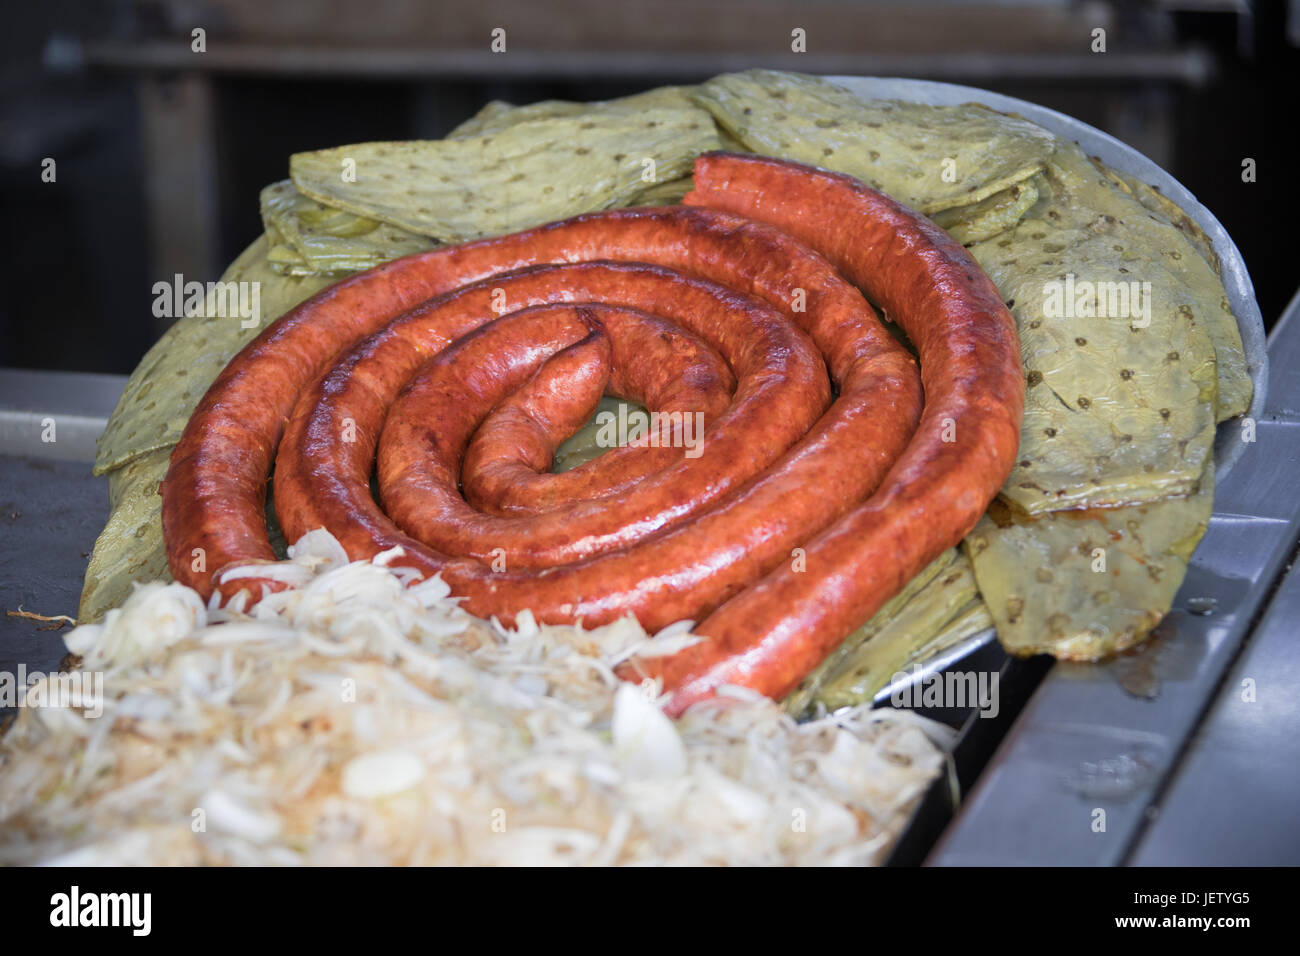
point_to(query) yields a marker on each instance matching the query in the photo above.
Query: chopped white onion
(362, 717)
(382, 774)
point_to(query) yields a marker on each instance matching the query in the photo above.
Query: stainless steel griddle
(1164, 741)
(1190, 744)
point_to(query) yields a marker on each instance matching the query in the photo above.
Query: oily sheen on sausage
(461, 370)
(774, 633)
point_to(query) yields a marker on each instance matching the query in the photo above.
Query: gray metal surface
(51, 507)
(55, 414)
(1108, 739)
(1235, 798)
(50, 514)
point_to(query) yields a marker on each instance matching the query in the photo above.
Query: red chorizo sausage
(322, 477)
(766, 634)
(429, 425)
(782, 389)
(666, 368)
(214, 490)
(773, 634)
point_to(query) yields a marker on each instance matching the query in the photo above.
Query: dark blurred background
(161, 151)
